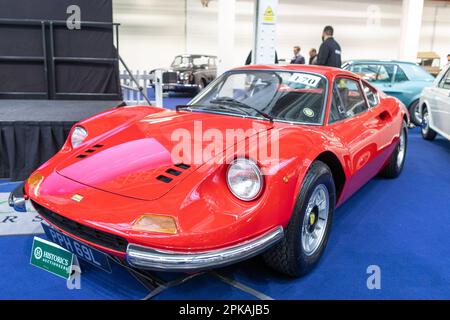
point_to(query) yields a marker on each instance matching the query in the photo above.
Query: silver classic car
(435, 107)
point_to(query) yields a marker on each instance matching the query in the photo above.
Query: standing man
(313, 56)
(330, 50)
(448, 57)
(298, 58)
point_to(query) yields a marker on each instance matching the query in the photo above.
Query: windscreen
(282, 95)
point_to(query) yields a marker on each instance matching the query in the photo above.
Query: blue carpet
(173, 102)
(400, 225)
(20, 280)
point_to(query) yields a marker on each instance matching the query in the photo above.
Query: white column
(226, 25)
(410, 33)
(265, 22)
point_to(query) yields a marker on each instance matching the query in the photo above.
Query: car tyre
(201, 85)
(397, 160)
(427, 132)
(414, 113)
(293, 255)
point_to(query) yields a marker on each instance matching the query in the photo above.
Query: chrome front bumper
(148, 258)
(17, 200)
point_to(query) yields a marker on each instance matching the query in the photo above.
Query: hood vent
(172, 172)
(182, 166)
(164, 179)
(89, 151)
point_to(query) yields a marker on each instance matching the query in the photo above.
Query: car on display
(190, 73)
(434, 107)
(161, 190)
(430, 61)
(403, 80)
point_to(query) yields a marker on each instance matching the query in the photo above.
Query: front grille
(101, 238)
(169, 77)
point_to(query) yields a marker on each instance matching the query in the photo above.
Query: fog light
(34, 183)
(156, 223)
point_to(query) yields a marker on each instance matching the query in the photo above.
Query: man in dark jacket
(298, 58)
(330, 50)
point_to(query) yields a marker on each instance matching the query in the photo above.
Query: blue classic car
(401, 79)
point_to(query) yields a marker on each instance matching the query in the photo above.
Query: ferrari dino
(254, 164)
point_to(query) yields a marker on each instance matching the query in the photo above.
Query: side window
(347, 101)
(372, 95)
(400, 75)
(368, 72)
(385, 73)
(445, 82)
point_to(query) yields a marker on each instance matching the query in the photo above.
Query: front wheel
(397, 160)
(308, 230)
(427, 132)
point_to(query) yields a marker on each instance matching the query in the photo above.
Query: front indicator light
(156, 223)
(34, 182)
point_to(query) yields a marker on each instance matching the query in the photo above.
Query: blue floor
(401, 225)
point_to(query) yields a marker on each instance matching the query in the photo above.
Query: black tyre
(307, 233)
(427, 132)
(397, 160)
(201, 85)
(414, 113)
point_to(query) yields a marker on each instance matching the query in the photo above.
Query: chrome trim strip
(149, 258)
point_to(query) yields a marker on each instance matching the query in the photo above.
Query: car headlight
(79, 134)
(244, 179)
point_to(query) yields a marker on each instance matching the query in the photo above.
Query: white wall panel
(152, 31)
(435, 33)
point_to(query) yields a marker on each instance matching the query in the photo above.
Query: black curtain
(31, 78)
(26, 145)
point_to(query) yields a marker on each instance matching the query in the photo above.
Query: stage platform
(31, 131)
(61, 111)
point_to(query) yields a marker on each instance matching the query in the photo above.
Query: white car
(435, 107)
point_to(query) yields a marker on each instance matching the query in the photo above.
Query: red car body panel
(118, 180)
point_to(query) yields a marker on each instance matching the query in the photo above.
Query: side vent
(98, 146)
(164, 179)
(90, 151)
(81, 156)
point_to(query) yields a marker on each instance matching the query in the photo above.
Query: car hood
(136, 160)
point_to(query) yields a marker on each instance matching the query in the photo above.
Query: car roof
(378, 61)
(322, 70)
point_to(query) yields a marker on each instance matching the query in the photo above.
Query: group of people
(329, 52)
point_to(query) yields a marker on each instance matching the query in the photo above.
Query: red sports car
(256, 163)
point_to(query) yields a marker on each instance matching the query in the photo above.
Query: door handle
(384, 115)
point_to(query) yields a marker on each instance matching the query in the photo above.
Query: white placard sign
(305, 79)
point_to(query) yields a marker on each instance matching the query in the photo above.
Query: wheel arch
(337, 170)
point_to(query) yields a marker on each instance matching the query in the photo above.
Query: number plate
(81, 250)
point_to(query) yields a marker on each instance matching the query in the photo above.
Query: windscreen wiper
(227, 100)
